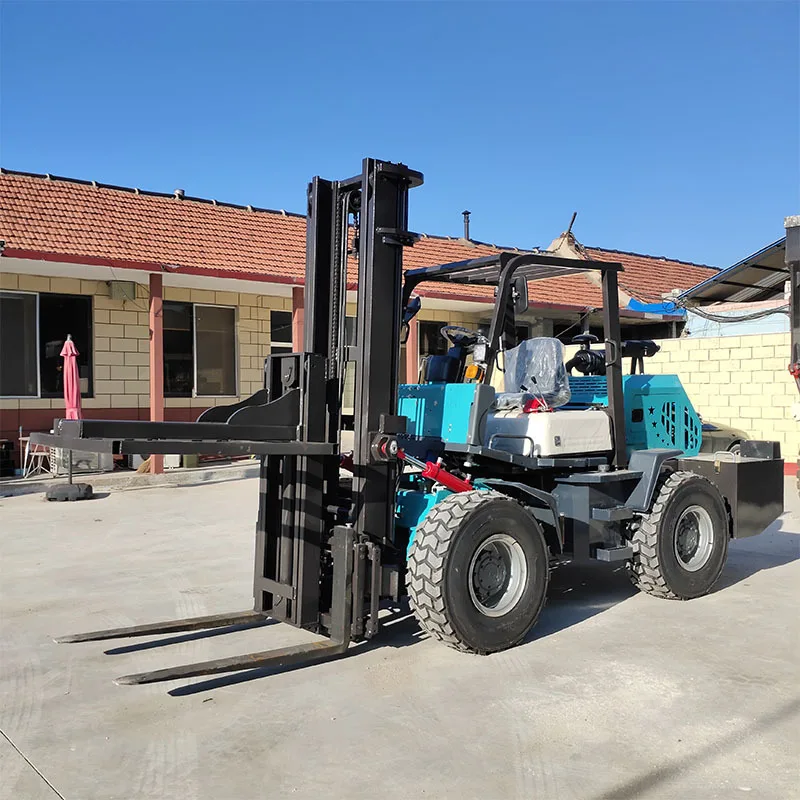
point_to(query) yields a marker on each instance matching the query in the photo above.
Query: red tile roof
(82, 221)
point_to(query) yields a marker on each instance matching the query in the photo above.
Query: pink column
(412, 352)
(156, 360)
(298, 313)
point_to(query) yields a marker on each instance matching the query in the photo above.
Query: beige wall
(740, 381)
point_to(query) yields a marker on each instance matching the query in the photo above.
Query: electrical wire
(747, 317)
(579, 322)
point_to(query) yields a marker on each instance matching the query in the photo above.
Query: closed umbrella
(72, 400)
(72, 381)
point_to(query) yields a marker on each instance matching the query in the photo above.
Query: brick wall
(740, 381)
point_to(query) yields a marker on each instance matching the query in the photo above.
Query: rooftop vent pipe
(466, 224)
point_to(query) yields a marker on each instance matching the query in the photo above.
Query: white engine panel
(555, 433)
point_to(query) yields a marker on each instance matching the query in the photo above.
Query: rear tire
(478, 572)
(680, 546)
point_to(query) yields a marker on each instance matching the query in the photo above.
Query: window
(199, 350)
(33, 329)
(280, 331)
(178, 349)
(431, 341)
(60, 314)
(522, 332)
(567, 331)
(19, 376)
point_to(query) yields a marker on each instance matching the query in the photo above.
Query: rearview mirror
(519, 289)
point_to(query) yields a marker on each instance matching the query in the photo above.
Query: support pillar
(156, 360)
(298, 315)
(412, 352)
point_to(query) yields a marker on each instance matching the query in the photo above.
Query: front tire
(478, 572)
(680, 546)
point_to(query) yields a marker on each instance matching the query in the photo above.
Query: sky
(672, 128)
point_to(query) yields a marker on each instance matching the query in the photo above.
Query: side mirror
(412, 309)
(519, 289)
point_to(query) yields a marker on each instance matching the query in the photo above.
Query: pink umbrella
(72, 381)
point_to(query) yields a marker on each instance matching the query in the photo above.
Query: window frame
(38, 395)
(235, 310)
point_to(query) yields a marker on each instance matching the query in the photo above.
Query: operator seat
(534, 369)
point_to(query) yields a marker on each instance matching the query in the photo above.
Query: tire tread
(645, 568)
(426, 563)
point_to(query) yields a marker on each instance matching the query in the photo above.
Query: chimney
(466, 224)
(179, 194)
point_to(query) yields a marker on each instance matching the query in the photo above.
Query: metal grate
(691, 431)
(668, 422)
(588, 390)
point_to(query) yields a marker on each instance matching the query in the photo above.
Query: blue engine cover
(658, 412)
(440, 410)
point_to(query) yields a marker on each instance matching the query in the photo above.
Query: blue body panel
(413, 506)
(658, 412)
(440, 410)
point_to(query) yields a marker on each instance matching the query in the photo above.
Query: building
(112, 266)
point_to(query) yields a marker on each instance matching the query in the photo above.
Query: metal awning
(486, 271)
(760, 276)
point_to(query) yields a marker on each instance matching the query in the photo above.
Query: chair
(36, 459)
(534, 369)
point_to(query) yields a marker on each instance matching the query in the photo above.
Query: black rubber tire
(655, 568)
(438, 571)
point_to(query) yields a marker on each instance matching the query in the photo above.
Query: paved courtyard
(615, 695)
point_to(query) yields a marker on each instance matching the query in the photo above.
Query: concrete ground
(614, 695)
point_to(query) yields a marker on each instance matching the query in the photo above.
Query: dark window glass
(431, 341)
(522, 331)
(18, 376)
(567, 331)
(215, 350)
(280, 330)
(178, 349)
(60, 314)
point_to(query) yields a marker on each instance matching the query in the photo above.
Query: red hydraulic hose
(437, 473)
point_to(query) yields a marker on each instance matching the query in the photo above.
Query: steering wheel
(461, 337)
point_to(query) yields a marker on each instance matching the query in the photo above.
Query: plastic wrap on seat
(536, 367)
(505, 401)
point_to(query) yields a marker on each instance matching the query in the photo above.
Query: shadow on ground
(576, 593)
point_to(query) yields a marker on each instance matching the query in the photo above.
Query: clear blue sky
(672, 128)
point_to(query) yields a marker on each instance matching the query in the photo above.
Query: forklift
(461, 491)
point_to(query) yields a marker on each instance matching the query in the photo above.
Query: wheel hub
(694, 538)
(497, 575)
